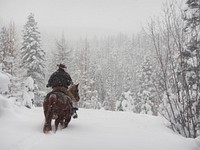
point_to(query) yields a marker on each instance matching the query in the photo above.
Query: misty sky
(124, 16)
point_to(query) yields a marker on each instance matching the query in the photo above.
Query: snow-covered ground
(21, 129)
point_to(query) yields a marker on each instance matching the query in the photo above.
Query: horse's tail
(52, 98)
(51, 103)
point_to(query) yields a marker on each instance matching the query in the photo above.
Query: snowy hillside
(21, 129)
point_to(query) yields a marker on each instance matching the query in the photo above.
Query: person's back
(60, 78)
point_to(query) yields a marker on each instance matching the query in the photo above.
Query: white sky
(124, 16)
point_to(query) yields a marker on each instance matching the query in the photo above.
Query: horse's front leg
(67, 115)
(66, 122)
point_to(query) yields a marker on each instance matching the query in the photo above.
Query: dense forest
(155, 71)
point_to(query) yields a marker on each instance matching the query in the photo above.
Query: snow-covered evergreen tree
(125, 103)
(147, 98)
(9, 58)
(33, 56)
(190, 69)
(4, 47)
(99, 84)
(84, 76)
(28, 92)
(91, 99)
(63, 52)
(5, 83)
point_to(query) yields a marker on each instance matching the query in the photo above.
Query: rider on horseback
(60, 80)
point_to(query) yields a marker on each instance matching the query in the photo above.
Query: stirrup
(75, 115)
(74, 109)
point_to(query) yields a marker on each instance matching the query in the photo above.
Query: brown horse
(58, 105)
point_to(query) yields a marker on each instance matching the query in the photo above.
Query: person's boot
(74, 114)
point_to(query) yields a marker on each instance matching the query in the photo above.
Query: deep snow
(21, 129)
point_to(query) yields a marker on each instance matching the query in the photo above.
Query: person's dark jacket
(59, 78)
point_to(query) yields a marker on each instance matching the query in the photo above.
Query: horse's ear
(77, 85)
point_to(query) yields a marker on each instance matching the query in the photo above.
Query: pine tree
(148, 101)
(63, 53)
(99, 84)
(8, 49)
(4, 47)
(190, 69)
(9, 58)
(84, 68)
(33, 56)
(14, 50)
(125, 103)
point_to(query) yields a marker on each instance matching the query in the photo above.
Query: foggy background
(82, 18)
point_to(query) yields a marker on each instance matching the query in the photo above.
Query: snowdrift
(21, 129)
(7, 108)
(5, 81)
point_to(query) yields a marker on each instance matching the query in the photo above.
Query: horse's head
(73, 88)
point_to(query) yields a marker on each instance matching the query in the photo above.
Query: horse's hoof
(45, 132)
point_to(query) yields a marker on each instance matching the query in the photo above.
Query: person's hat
(62, 66)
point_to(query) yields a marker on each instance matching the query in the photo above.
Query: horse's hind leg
(47, 125)
(48, 119)
(48, 113)
(57, 121)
